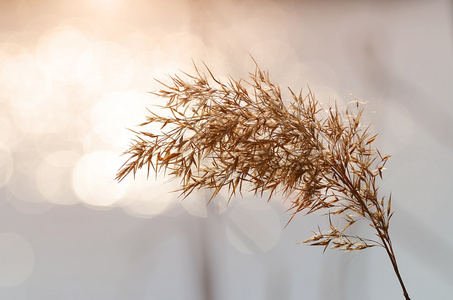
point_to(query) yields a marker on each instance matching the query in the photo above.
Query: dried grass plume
(226, 134)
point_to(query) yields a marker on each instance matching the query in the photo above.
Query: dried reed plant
(229, 135)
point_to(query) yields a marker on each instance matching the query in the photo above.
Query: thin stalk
(386, 242)
(388, 247)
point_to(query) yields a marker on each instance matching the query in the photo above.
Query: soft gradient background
(75, 74)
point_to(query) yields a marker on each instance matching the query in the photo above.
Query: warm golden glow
(73, 81)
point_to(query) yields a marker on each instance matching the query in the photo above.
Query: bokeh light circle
(197, 203)
(126, 108)
(17, 63)
(105, 66)
(253, 227)
(17, 259)
(150, 196)
(24, 195)
(6, 165)
(59, 51)
(53, 177)
(107, 136)
(94, 179)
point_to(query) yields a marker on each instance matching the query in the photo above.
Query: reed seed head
(228, 135)
(241, 133)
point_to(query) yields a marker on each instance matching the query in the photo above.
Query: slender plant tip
(242, 133)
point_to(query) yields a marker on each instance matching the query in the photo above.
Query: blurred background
(74, 75)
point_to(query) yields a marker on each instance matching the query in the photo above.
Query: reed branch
(229, 135)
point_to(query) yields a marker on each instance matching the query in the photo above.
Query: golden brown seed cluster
(226, 134)
(242, 133)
